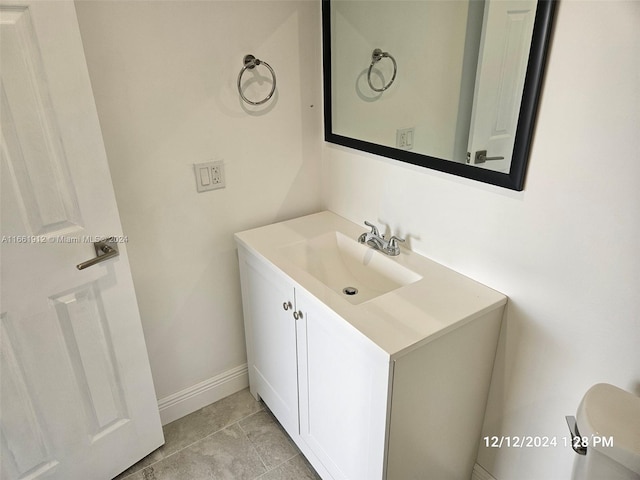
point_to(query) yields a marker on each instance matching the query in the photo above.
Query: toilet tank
(608, 422)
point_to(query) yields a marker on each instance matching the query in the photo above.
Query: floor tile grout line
(258, 453)
(266, 468)
(278, 466)
(260, 456)
(253, 447)
(196, 441)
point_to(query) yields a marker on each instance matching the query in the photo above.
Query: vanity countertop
(397, 321)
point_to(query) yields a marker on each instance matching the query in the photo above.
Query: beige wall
(164, 78)
(565, 250)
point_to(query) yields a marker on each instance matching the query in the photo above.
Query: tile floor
(236, 438)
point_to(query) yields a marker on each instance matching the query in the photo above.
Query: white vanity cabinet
(391, 388)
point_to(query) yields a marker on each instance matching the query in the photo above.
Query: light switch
(404, 138)
(209, 176)
(205, 178)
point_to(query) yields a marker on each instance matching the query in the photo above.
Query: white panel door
(504, 51)
(77, 396)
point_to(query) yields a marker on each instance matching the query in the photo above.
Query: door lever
(481, 157)
(105, 250)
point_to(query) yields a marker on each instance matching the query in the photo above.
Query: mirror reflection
(442, 79)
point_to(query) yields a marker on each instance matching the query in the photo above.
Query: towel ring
(376, 56)
(251, 62)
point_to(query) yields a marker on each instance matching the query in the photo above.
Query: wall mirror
(451, 85)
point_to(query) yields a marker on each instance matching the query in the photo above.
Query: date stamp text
(537, 441)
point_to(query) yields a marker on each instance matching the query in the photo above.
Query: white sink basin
(343, 264)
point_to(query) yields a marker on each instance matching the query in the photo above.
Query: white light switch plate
(404, 138)
(209, 176)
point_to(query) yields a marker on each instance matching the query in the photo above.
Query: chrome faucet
(378, 242)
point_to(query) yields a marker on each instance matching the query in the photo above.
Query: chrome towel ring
(251, 62)
(376, 56)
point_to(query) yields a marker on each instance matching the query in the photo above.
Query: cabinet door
(271, 340)
(344, 383)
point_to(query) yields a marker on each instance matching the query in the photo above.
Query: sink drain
(349, 290)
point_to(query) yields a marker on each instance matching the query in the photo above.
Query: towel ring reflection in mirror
(250, 62)
(376, 56)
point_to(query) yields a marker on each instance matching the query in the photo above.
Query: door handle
(481, 157)
(105, 250)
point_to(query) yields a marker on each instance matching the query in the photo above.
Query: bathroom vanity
(387, 382)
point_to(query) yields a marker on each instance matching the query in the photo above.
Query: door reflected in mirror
(451, 85)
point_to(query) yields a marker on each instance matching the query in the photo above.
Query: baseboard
(480, 473)
(202, 394)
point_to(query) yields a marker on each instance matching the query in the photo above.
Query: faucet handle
(374, 229)
(393, 240)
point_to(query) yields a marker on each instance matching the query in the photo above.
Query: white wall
(164, 78)
(565, 250)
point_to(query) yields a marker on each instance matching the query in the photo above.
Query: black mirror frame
(514, 180)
